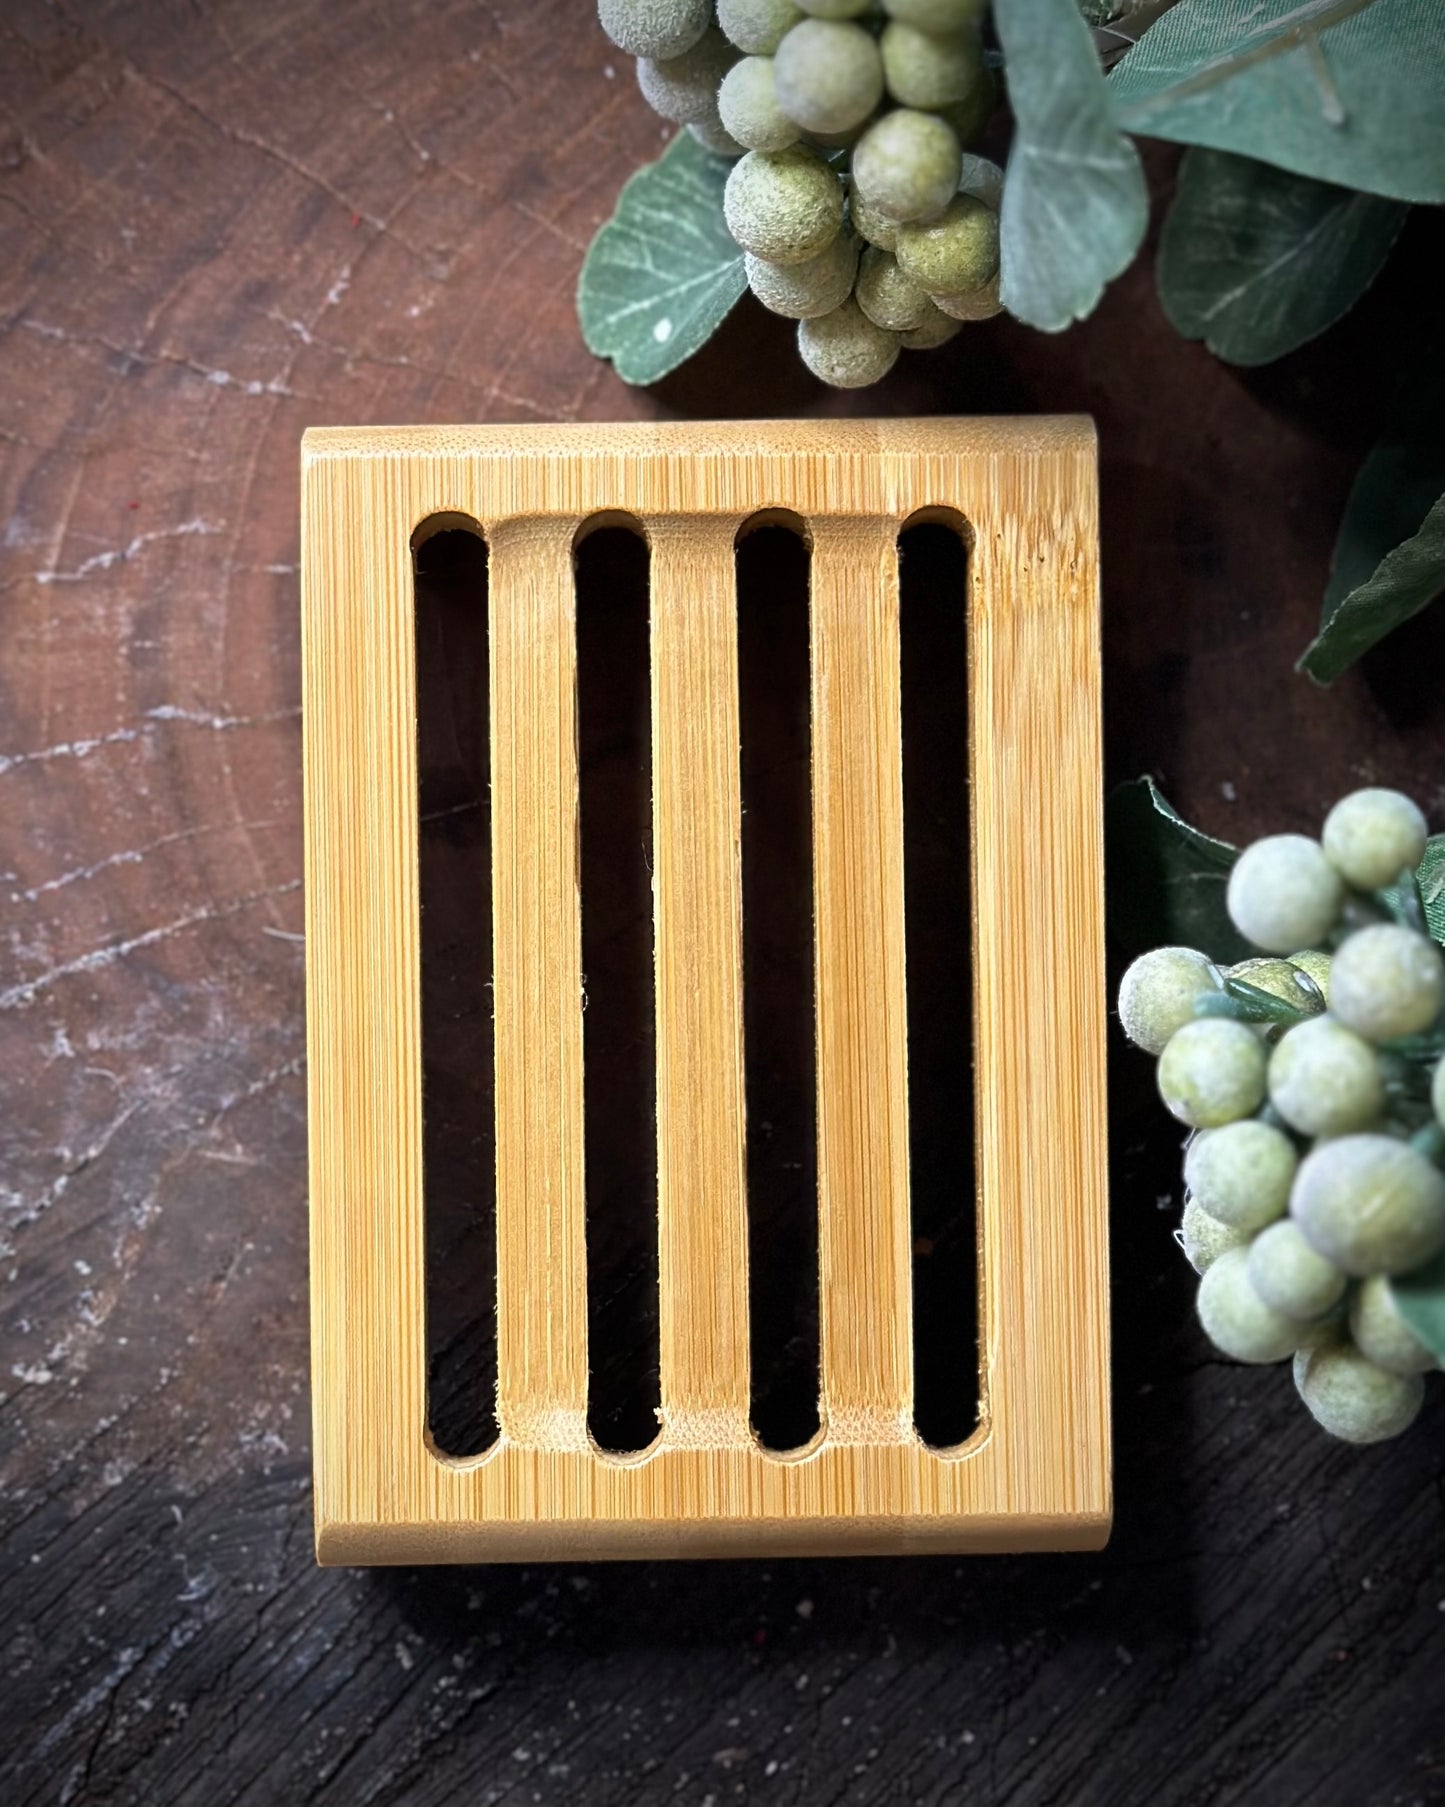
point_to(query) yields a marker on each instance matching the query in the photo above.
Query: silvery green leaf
(1074, 205)
(1347, 91)
(1256, 261)
(663, 273)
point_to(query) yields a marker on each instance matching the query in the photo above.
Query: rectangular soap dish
(1036, 1472)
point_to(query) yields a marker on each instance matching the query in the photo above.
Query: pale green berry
(835, 9)
(1212, 1072)
(1281, 979)
(845, 349)
(654, 28)
(829, 75)
(928, 69)
(888, 297)
(1325, 1080)
(747, 103)
(684, 88)
(1301, 1358)
(1387, 981)
(1315, 965)
(906, 165)
(1372, 836)
(936, 329)
(1354, 1399)
(876, 227)
(982, 178)
(1437, 1092)
(757, 27)
(1284, 893)
(937, 15)
(1158, 993)
(955, 253)
(1382, 1334)
(714, 136)
(1241, 1174)
(786, 206)
(982, 304)
(1291, 1276)
(802, 291)
(1371, 1204)
(1236, 1320)
(1204, 1238)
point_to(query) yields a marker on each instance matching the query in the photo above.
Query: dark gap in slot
(614, 715)
(778, 1006)
(934, 628)
(454, 857)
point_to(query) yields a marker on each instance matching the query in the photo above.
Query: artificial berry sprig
(1313, 1083)
(861, 213)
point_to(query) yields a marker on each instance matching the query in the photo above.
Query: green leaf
(1421, 1299)
(1431, 877)
(1256, 261)
(1397, 486)
(1074, 205)
(1166, 880)
(1347, 91)
(1384, 568)
(1406, 580)
(1430, 880)
(662, 274)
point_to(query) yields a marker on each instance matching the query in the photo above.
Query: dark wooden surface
(220, 222)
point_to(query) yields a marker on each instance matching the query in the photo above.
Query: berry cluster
(1314, 1083)
(861, 214)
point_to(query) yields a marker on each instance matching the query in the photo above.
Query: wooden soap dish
(1036, 1473)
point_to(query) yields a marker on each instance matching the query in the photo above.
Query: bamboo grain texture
(1036, 1472)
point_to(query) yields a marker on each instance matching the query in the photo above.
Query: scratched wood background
(218, 224)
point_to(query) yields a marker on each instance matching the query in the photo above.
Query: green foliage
(1167, 881)
(1346, 91)
(1421, 904)
(1314, 122)
(1420, 1299)
(1256, 261)
(1389, 558)
(1075, 205)
(1406, 580)
(1431, 879)
(663, 273)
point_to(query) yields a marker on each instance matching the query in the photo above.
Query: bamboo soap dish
(1036, 1472)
